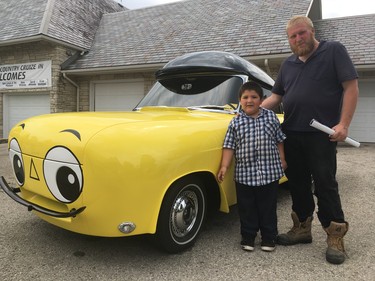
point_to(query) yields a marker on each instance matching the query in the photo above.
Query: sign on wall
(25, 75)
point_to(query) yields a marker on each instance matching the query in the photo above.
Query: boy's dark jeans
(313, 156)
(257, 210)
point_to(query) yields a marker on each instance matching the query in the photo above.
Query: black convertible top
(213, 63)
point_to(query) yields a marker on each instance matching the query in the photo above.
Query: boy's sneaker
(267, 245)
(247, 244)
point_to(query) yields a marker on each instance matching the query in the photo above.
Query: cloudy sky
(330, 8)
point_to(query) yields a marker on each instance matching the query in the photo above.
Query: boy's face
(250, 102)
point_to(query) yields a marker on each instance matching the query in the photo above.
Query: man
(318, 82)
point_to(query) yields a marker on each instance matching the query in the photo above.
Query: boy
(254, 136)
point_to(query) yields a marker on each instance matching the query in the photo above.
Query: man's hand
(341, 132)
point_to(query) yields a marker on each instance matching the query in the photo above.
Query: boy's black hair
(251, 85)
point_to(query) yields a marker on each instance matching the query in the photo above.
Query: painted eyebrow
(74, 132)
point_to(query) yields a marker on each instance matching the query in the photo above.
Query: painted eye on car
(63, 174)
(16, 161)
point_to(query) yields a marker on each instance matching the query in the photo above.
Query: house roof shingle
(70, 21)
(157, 34)
(18, 22)
(357, 33)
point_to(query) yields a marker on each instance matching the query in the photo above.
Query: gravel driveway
(32, 249)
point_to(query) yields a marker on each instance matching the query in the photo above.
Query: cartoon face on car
(148, 171)
(62, 174)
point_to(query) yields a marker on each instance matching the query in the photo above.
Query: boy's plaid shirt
(254, 141)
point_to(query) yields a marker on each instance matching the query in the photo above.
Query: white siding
(21, 106)
(362, 127)
(116, 95)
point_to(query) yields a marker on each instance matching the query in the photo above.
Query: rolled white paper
(325, 129)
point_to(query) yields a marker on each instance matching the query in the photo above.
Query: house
(94, 55)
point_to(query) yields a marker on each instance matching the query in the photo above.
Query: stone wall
(62, 94)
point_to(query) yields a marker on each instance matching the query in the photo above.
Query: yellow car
(148, 171)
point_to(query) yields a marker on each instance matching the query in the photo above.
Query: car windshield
(216, 92)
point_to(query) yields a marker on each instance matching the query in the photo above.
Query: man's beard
(303, 51)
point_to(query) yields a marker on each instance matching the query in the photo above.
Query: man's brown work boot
(300, 233)
(335, 239)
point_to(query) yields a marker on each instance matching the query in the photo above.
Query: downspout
(267, 67)
(75, 85)
(266, 64)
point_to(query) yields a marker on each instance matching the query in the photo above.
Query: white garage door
(19, 107)
(362, 127)
(115, 95)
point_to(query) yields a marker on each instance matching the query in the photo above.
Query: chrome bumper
(12, 192)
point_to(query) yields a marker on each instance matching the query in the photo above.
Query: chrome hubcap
(184, 213)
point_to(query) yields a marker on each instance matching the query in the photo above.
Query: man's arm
(349, 104)
(272, 101)
(280, 147)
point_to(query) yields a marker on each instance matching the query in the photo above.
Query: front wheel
(182, 214)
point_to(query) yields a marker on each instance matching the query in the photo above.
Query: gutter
(156, 66)
(75, 85)
(259, 60)
(365, 67)
(115, 69)
(37, 38)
